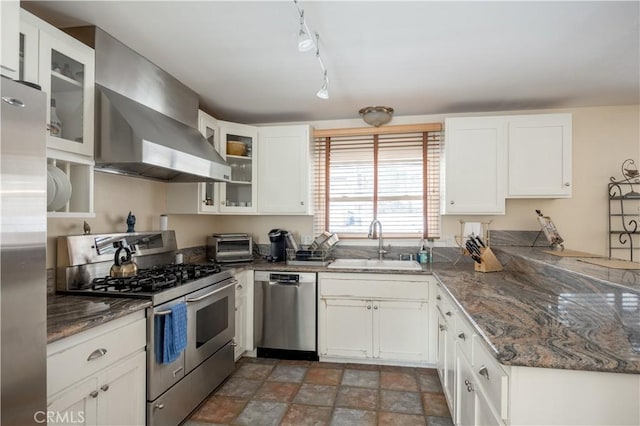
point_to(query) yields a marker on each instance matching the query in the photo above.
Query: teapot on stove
(123, 266)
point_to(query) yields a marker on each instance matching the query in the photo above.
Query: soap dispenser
(423, 254)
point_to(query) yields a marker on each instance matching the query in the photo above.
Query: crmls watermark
(53, 417)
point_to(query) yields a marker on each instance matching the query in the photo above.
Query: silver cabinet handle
(302, 203)
(484, 372)
(469, 388)
(448, 313)
(467, 382)
(375, 307)
(462, 336)
(104, 388)
(93, 394)
(567, 184)
(368, 306)
(442, 327)
(438, 297)
(175, 372)
(233, 343)
(97, 354)
(239, 286)
(159, 406)
(452, 202)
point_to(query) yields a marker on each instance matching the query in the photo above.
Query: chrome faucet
(372, 227)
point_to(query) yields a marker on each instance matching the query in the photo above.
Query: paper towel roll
(164, 222)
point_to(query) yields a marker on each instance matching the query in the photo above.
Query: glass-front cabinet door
(209, 191)
(239, 147)
(66, 74)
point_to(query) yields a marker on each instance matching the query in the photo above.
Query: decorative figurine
(87, 228)
(131, 222)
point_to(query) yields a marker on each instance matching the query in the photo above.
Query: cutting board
(571, 253)
(613, 263)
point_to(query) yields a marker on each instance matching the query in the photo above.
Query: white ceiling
(417, 57)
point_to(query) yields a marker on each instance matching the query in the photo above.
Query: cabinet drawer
(492, 378)
(93, 350)
(375, 289)
(464, 336)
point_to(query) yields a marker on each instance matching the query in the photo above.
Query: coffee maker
(277, 252)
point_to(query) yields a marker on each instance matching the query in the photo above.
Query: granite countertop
(71, 314)
(535, 320)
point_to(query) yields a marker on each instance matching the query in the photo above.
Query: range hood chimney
(146, 120)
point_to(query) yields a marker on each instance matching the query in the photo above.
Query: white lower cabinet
(243, 339)
(97, 377)
(374, 317)
(354, 341)
(482, 391)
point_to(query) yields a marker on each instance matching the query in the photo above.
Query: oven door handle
(204, 296)
(162, 313)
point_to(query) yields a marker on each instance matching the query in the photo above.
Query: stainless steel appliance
(173, 389)
(146, 119)
(23, 282)
(285, 315)
(230, 247)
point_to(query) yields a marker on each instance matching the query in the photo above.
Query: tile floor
(278, 392)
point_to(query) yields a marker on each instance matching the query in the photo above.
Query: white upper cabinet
(489, 159)
(474, 180)
(65, 69)
(539, 149)
(197, 198)
(284, 170)
(9, 19)
(238, 145)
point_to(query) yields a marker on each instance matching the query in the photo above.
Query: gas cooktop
(155, 279)
(160, 284)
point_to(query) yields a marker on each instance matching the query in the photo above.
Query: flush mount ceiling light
(376, 115)
(305, 44)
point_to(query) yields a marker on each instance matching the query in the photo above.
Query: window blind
(394, 177)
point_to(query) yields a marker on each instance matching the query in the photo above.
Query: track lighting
(304, 39)
(306, 43)
(323, 93)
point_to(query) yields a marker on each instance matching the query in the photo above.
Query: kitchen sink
(385, 264)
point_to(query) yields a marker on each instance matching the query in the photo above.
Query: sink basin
(402, 265)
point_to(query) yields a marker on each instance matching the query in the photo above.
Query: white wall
(603, 137)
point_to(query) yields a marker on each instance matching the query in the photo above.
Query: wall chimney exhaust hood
(146, 120)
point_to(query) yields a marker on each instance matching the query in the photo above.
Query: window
(392, 175)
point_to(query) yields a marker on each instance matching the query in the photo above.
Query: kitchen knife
(481, 243)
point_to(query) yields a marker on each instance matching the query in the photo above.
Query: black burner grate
(155, 279)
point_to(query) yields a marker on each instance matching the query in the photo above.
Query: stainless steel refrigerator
(23, 229)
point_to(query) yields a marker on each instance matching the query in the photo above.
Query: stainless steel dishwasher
(285, 320)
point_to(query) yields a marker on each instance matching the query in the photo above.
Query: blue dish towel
(173, 330)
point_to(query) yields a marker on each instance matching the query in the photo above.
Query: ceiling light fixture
(306, 43)
(376, 115)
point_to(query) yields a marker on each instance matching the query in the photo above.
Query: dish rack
(313, 255)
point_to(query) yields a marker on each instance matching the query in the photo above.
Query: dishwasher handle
(285, 279)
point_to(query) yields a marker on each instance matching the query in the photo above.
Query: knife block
(490, 262)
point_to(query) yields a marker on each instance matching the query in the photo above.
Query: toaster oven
(230, 248)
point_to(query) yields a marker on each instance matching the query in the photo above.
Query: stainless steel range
(173, 389)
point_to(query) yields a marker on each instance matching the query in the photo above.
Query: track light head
(304, 40)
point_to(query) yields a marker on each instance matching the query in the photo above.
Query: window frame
(432, 143)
